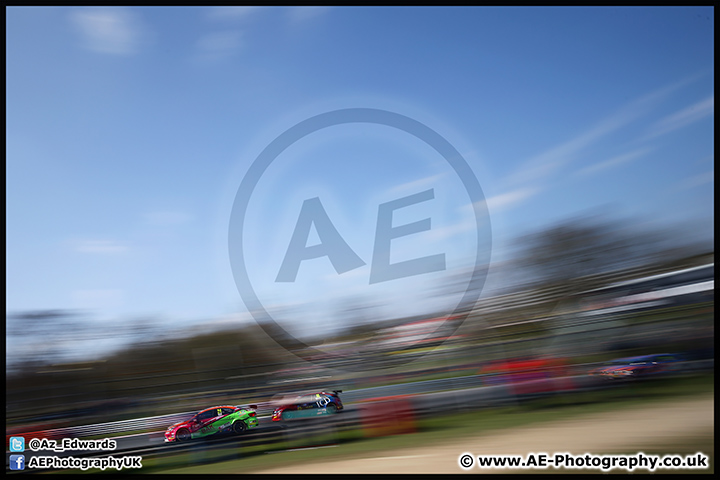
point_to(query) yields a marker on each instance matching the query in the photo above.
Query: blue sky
(129, 131)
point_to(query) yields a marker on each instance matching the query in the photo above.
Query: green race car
(223, 419)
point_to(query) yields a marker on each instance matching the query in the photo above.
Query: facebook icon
(17, 462)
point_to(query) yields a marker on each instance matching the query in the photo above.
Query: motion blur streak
(562, 322)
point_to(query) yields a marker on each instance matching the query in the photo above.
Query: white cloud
(614, 161)
(510, 199)
(231, 13)
(115, 31)
(698, 180)
(449, 231)
(684, 117)
(100, 247)
(217, 45)
(167, 218)
(303, 14)
(220, 44)
(546, 163)
(416, 185)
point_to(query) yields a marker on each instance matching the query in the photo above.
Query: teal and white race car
(307, 405)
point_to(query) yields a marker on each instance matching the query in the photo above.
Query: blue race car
(640, 366)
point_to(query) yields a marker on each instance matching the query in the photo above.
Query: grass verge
(353, 444)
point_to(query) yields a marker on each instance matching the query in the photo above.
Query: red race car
(224, 419)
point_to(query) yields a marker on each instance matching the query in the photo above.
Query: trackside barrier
(421, 403)
(546, 385)
(388, 416)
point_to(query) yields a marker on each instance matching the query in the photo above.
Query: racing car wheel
(239, 427)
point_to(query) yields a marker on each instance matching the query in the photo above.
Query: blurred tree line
(578, 254)
(233, 362)
(550, 266)
(562, 260)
